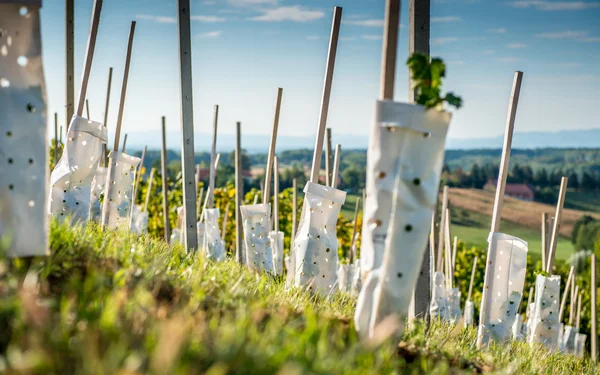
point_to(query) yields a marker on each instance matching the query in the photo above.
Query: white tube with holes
(256, 223)
(439, 301)
(139, 220)
(580, 344)
(214, 246)
(469, 315)
(23, 141)
(410, 139)
(454, 311)
(316, 244)
(276, 239)
(544, 324)
(71, 179)
(118, 193)
(97, 195)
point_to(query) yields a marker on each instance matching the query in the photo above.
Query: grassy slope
(114, 303)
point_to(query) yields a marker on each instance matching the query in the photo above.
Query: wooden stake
(213, 155)
(472, 278)
(336, 166)
(187, 125)
(594, 317)
(353, 243)
(499, 198)
(563, 302)
(87, 109)
(447, 253)
(104, 158)
(149, 191)
(276, 194)
(333, 39)
(70, 57)
(239, 188)
(544, 239)
(454, 253)
(272, 145)
(225, 218)
(390, 45)
(328, 158)
(578, 321)
(124, 88)
(442, 226)
(165, 185)
(139, 176)
(199, 203)
(556, 225)
(294, 210)
(256, 197)
(55, 138)
(203, 214)
(124, 143)
(89, 54)
(529, 300)
(573, 301)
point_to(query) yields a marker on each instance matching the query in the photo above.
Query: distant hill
(257, 143)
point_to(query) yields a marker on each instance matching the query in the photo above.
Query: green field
(585, 201)
(115, 303)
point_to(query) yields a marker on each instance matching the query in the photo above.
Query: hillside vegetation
(115, 303)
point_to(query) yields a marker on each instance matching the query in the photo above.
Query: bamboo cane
(87, 109)
(336, 166)
(328, 157)
(139, 175)
(124, 143)
(272, 145)
(238, 194)
(333, 39)
(124, 87)
(447, 253)
(573, 301)
(556, 225)
(544, 239)
(442, 226)
(354, 225)
(472, 278)
(148, 192)
(563, 302)
(104, 158)
(578, 321)
(529, 300)
(89, 55)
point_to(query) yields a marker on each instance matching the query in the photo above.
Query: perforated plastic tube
(97, 194)
(545, 324)
(508, 266)
(71, 179)
(276, 239)
(214, 246)
(23, 146)
(410, 139)
(439, 301)
(256, 223)
(139, 220)
(469, 313)
(316, 244)
(119, 189)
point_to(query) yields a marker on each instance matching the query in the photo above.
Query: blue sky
(244, 49)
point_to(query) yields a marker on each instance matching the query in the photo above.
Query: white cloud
(569, 34)
(517, 45)
(500, 30)
(210, 34)
(507, 59)
(488, 52)
(446, 19)
(349, 38)
(591, 39)
(250, 3)
(209, 19)
(366, 23)
(290, 13)
(371, 37)
(441, 41)
(313, 37)
(554, 5)
(159, 19)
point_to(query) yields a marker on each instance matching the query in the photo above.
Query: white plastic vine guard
(97, 194)
(545, 325)
(118, 193)
(276, 239)
(454, 311)
(213, 243)
(469, 313)
(354, 277)
(528, 323)
(139, 220)
(517, 328)
(580, 344)
(508, 266)
(568, 339)
(23, 141)
(289, 277)
(438, 309)
(71, 179)
(316, 244)
(343, 277)
(406, 139)
(177, 232)
(256, 223)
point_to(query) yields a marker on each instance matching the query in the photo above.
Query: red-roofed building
(520, 191)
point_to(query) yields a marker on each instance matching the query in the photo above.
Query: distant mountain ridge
(255, 143)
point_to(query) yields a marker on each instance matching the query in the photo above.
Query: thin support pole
(447, 253)
(104, 147)
(87, 109)
(354, 226)
(441, 231)
(573, 301)
(199, 203)
(556, 224)
(55, 138)
(187, 125)
(149, 190)
(499, 198)
(256, 197)
(276, 194)
(70, 58)
(594, 317)
(333, 39)
(213, 155)
(268, 169)
(294, 210)
(124, 87)
(336, 166)
(139, 176)
(529, 300)
(563, 302)
(165, 185)
(124, 143)
(472, 278)
(390, 46)
(225, 218)
(89, 55)
(578, 319)
(544, 239)
(454, 246)
(239, 188)
(328, 157)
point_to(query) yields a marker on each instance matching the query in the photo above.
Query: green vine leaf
(427, 75)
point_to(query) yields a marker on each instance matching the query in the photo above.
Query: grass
(114, 303)
(582, 200)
